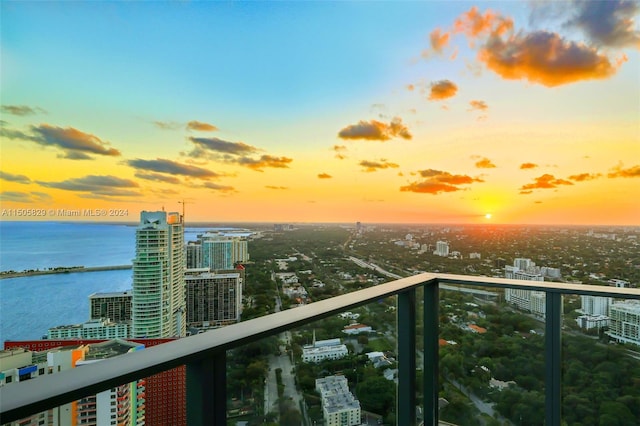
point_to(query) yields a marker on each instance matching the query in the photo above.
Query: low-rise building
(357, 329)
(592, 321)
(324, 349)
(339, 406)
(102, 328)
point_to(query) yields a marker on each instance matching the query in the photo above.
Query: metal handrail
(32, 396)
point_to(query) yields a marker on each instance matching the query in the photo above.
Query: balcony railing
(205, 354)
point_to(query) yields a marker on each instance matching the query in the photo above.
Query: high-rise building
(442, 249)
(217, 253)
(214, 299)
(595, 305)
(523, 264)
(116, 306)
(624, 324)
(194, 254)
(527, 300)
(222, 251)
(158, 304)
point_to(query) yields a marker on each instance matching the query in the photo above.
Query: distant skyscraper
(221, 251)
(158, 308)
(442, 249)
(532, 301)
(194, 254)
(213, 299)
(595, 305)
(217, 254)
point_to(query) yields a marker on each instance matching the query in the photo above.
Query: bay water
(29, 306)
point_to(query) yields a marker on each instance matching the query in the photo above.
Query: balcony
(205, 354)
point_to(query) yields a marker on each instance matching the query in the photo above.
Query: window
(8, 379)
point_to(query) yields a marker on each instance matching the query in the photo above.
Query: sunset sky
(414, 112)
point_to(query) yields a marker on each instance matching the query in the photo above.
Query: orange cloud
(474, 24)
(479, 105)
(339, 149)
(93, 185)
(264, 161)
(324, 176)
(437, 181)
(442, 89)
(546, 181)
(439, 40)
(157, 177)
(485, 163)
(201, 127)
(631, 172)
(374, 130)
(524, 166)
(170, 167)
(25, 197)
(217, 187)
(411, 87)
(584, 176)
(372, 166)
(276, 187)
(545, 58)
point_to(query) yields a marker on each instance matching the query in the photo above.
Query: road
(284, 362)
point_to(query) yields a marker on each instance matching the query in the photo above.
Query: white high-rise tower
(158, 305)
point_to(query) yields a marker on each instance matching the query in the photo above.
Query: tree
(376, 394)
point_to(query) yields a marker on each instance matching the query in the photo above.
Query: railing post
(430, 367)
(406, 397)
(207, 391)
(553, 360)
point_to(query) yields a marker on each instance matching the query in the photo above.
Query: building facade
(101, 328)
(624, 323)
(214, 299)
(595, 305)
(339, 406)
(324, 349)
(526, 300)
(116, 306)
(442, 249)
(158, 303)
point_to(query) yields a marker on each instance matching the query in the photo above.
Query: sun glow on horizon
(487, 216)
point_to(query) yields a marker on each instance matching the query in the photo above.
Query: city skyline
(410, 112)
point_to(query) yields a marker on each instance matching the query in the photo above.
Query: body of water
(29, 306)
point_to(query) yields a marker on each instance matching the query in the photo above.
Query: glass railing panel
(491, 360)
(350, 358)
(252, 391)
(600, 361)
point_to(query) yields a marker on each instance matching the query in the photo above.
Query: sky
(378, 112)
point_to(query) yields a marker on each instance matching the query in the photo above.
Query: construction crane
(183, 202)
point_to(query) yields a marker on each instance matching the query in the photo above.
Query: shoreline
(62, 270)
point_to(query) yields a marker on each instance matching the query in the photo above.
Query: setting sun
(487, 216)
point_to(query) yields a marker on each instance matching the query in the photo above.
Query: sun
(487, 216)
